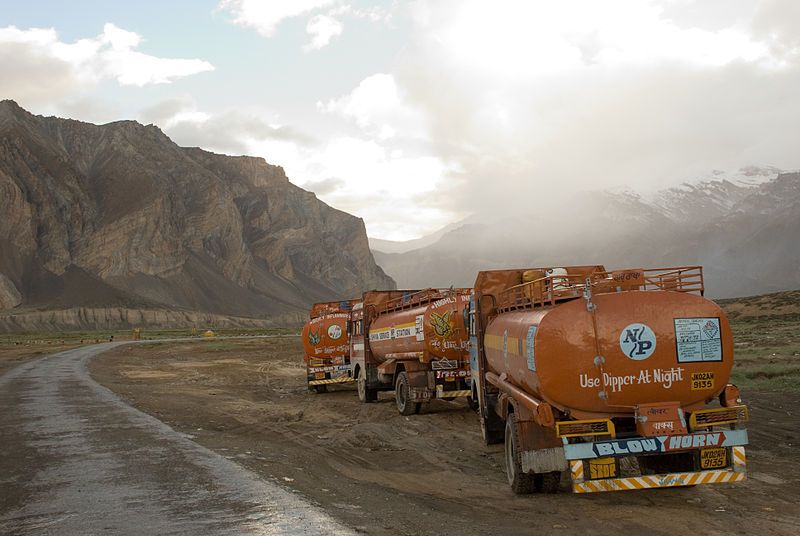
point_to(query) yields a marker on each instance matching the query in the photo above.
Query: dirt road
(78, 460)
(382, 473)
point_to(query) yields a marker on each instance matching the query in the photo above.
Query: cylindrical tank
(325, 337)
(641, 347)
(434, 330)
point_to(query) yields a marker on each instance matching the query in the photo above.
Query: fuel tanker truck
(412, 342)
(326, 345)
(618, 378)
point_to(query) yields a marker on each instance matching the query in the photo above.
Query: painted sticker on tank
(637, 341)
(314, 337)
(395, 332)
(666, 378)
(443, 325)
(698, 339)
(529, 348)
(330, 349)
(334, 331)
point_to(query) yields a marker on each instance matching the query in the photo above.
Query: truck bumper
(580, 455)
(736, 473)
(328, 374)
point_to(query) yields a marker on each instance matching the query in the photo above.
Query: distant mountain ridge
(119, 216)
(744, 233)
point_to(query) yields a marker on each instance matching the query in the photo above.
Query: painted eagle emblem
(314, 338)
(443, 325)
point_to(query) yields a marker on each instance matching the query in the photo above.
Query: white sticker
(419, 327)
(637, 341)
(529, 347)
(334, 331)
(698, 339)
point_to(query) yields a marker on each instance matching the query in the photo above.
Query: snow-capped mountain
(743, 229)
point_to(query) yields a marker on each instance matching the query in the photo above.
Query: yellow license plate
(702, 381)
(602, 468)
(319, 375)
(713, 458)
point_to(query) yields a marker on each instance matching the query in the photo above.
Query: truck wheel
(521, 482)
(548, 482)
(364, 394)
(402, 395)
(319, 389)
(472, 403)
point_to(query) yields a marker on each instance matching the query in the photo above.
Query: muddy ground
(428, 474)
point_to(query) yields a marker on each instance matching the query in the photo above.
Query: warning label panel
(698, 339)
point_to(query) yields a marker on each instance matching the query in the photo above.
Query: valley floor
(382, 473)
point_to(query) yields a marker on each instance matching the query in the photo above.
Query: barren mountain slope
(118, 215)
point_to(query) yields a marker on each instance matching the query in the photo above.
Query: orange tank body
(653, 347)
(433, 330)
(325, 337)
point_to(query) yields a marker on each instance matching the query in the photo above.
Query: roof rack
(554, 289)
(420, 297)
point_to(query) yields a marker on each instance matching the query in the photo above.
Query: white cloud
(379, 107)
(230, 132)
(38, 66)
(387, 187)
(265, 16)
(322, 29)
(526, 39)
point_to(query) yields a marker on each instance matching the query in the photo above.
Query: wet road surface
(75, 459)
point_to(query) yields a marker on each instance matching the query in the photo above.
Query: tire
(320, 389)
(521, 483)
(472, 403)
(548, 482)
(365, 394)
(402, 396)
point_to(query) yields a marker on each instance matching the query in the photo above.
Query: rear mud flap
(544, 460)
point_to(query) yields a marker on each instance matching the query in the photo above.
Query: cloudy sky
(413, 115)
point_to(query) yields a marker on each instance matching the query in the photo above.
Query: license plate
(713, 458)
(602, 468)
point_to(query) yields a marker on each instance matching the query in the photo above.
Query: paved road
(75, 459)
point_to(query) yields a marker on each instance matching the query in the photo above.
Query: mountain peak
(11, 111)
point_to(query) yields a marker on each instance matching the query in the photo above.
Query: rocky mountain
(744, 233)
(119, 216)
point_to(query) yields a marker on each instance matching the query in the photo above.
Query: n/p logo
(637, 341)
(334, 331)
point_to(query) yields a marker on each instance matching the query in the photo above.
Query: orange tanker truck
(412, 342)
(326, 344)
(611, 376)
